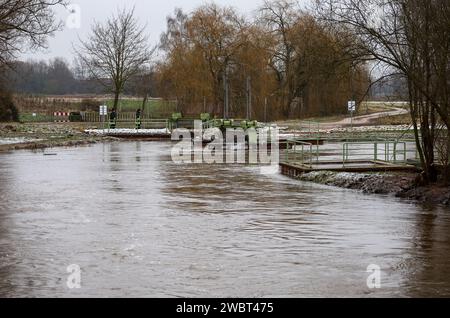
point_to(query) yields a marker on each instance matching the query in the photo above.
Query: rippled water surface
(140, 226)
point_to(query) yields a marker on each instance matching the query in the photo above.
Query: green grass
(152, 106)
(39, 118)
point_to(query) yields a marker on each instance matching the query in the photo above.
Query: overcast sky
(150, 12)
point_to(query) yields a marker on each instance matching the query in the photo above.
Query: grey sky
(152, 13)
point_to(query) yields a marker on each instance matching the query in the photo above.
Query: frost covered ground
(17, 140)
(285, 133)
(399, 184)
(119, 132)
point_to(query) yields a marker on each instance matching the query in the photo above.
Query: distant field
(43, 107)
(152, 106)
(38, 118)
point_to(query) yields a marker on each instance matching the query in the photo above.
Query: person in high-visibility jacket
(138, 119)
(112, 119)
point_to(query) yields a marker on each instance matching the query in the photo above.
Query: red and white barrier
(61, 117)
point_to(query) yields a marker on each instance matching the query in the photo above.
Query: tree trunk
(116, 100)
(414, 107)
(144, 102)
(447, 161)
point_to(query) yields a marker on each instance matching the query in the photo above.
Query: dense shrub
(88, 104)
(8, 110)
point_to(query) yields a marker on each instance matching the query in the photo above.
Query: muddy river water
(138, 225)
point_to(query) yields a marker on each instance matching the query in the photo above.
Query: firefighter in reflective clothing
(113, 119)
(138, 119)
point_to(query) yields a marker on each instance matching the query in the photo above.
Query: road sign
(103, 110)
(351, 106)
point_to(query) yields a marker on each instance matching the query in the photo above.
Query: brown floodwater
(139, 225)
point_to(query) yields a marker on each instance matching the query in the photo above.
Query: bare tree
(306, 59)
(142, 85)
(279, 17)
(25, 22)
(115, 52)
(412, 37)
(22, 23)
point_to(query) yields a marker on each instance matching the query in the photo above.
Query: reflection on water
(139, 225)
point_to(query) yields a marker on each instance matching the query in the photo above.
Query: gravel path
(363, 119)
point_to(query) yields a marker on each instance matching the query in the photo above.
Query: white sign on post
(352, 106)
(103, 110)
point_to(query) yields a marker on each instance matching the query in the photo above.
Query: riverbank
(16, 136)
(398, 184)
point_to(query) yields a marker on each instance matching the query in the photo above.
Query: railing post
(317, 153)
(343, 154)
(386, 152)
(287, 151)
(395, 152)
(405, 153)
(376, 151)
(303, 154)
(295, 151)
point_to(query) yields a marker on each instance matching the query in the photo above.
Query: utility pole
(353, 96)
(249, 98)
(265, 110)
(226, 92)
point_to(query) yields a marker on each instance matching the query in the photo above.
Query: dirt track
(363, 120)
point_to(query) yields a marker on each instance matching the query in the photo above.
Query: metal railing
(142, 124)
(298, 152)
(303, 153)
(385, 151)
(94, 117)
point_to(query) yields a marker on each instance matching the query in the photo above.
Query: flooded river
(140, 226)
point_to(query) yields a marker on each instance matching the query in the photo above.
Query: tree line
(59, 77)
(54, 77)
(283, 58)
